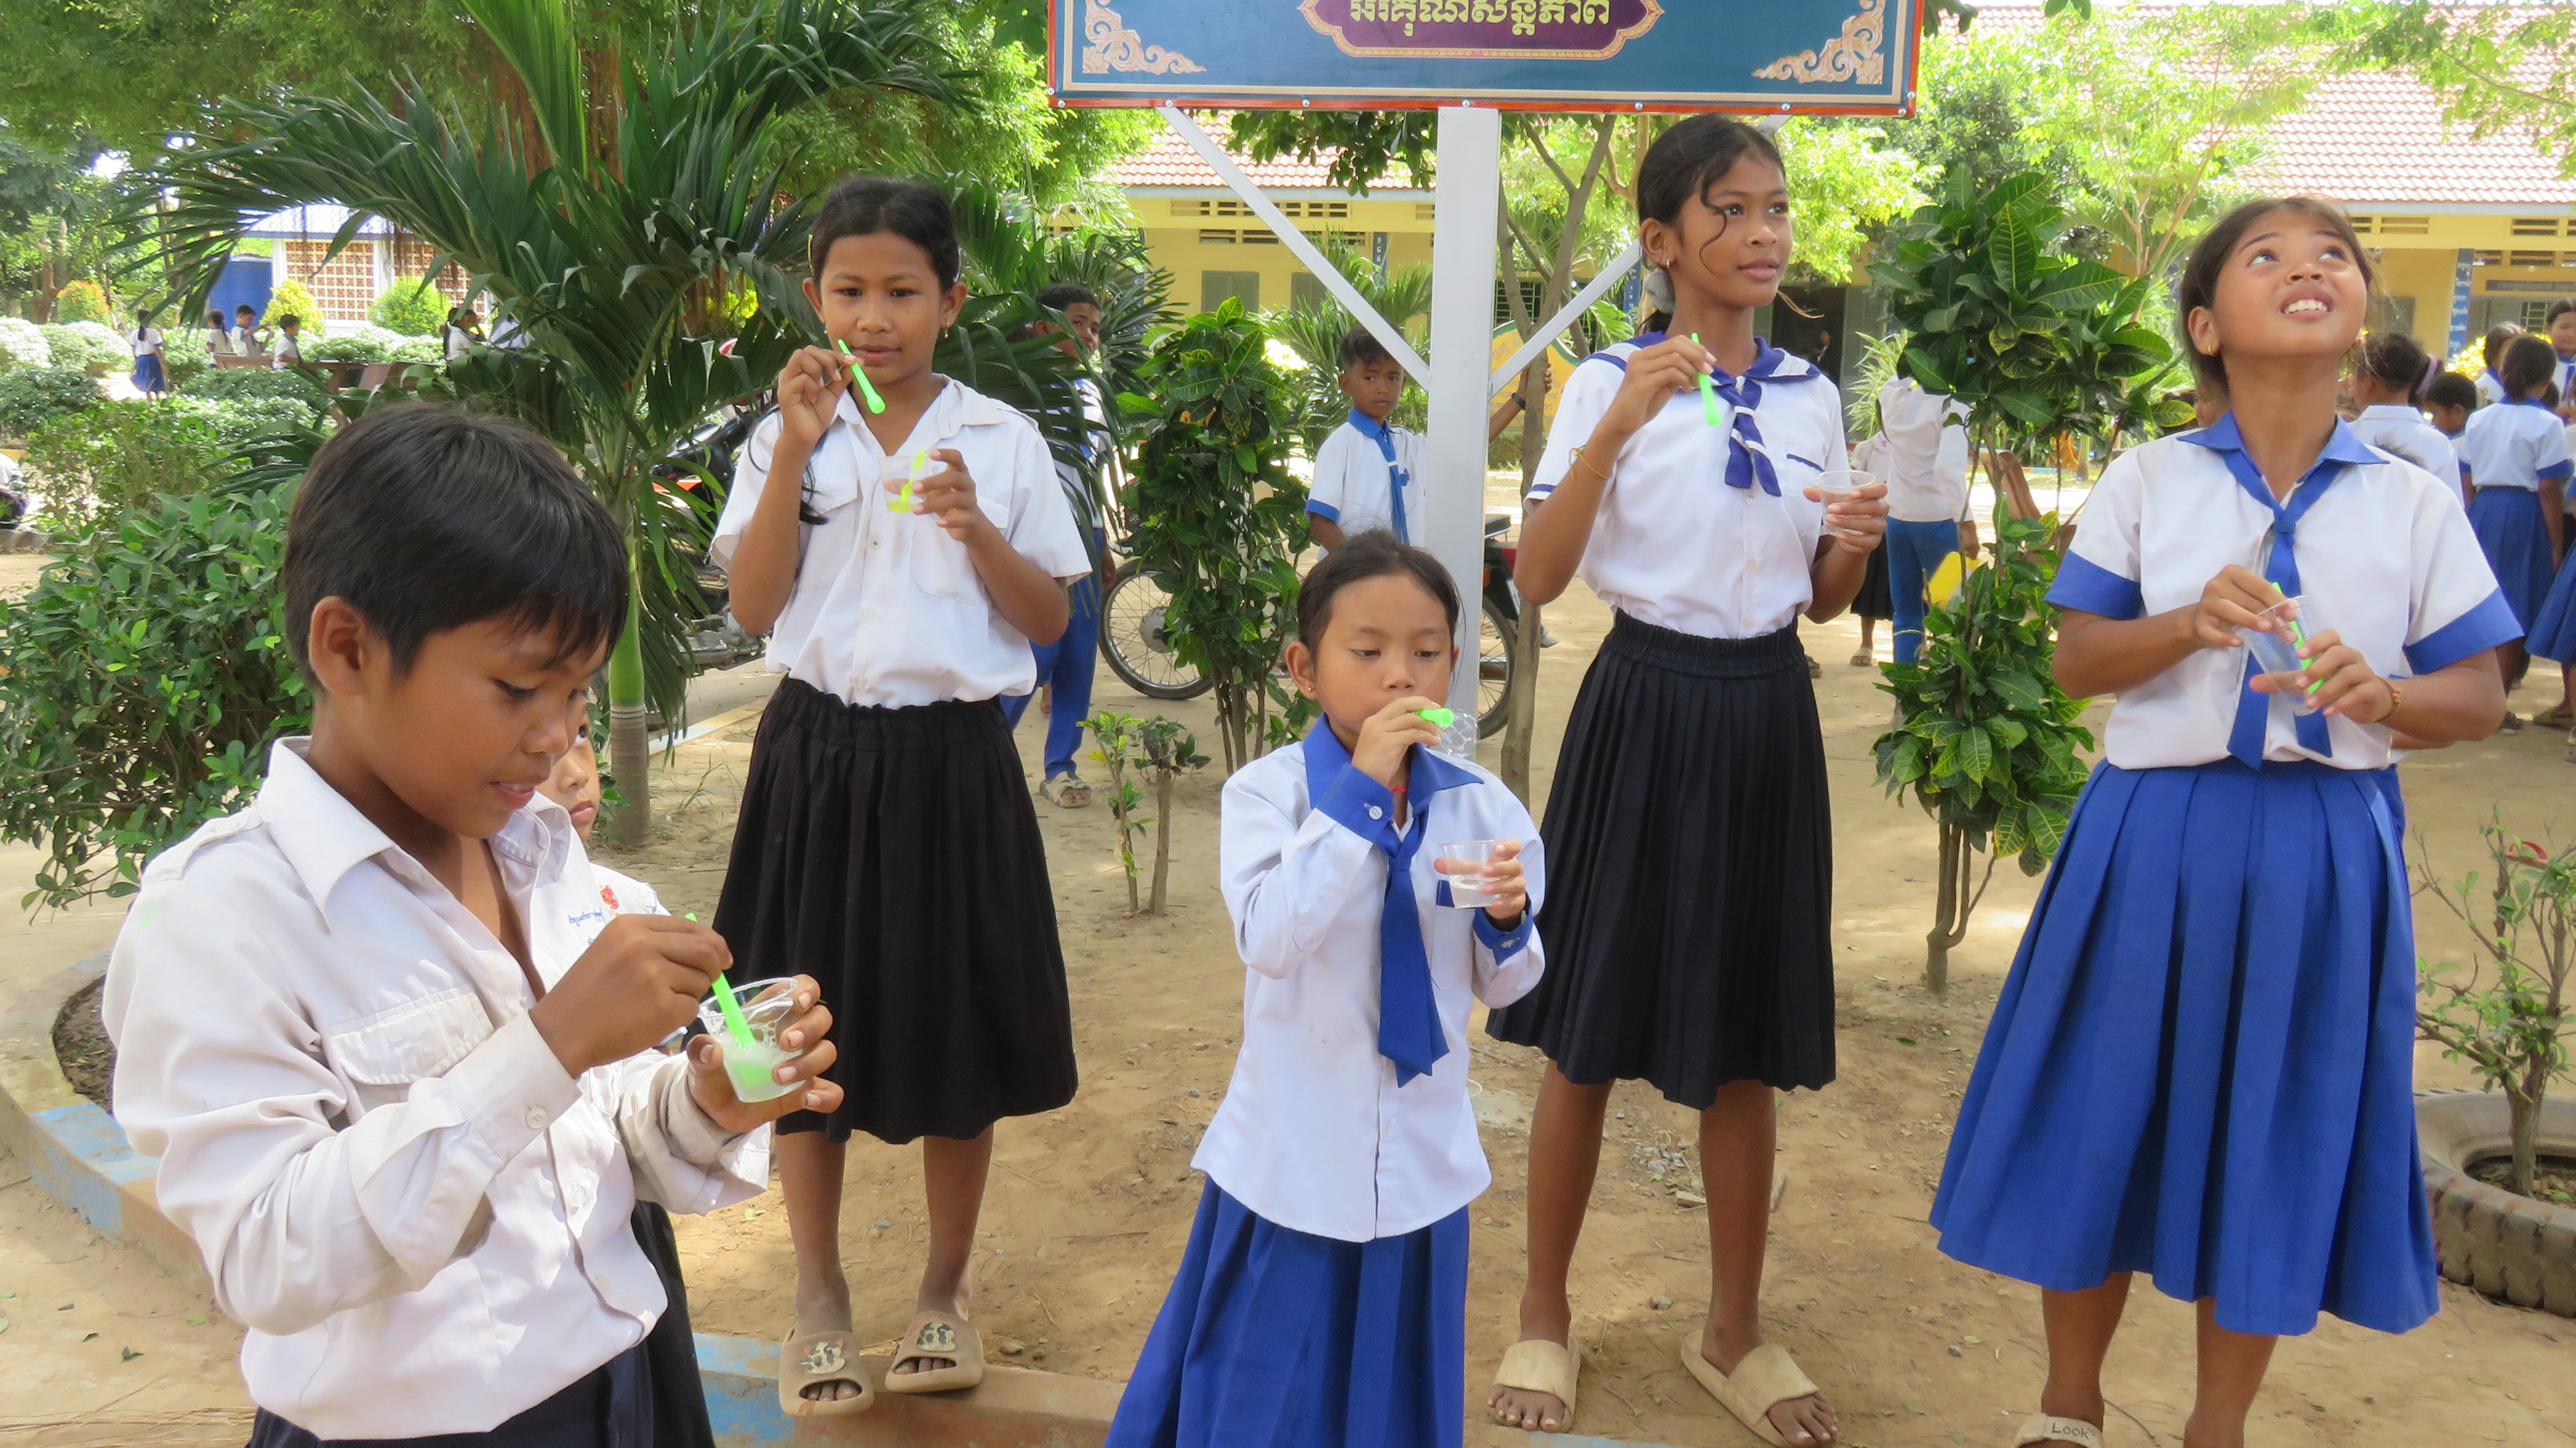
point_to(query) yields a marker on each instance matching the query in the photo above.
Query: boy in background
(1368, 473)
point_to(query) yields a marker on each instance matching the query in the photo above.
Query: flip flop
(1766, 1377)
(820, 1357)
(1539, 1366)
(1066, 791)
(2041, 1428)
(937, 1335)
(1863, 659)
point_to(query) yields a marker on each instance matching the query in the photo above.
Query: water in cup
(752, 1066)
(1467, 891)
(2275, 646)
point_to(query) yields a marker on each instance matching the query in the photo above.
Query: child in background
(887, 844)
(2448, 401)
(670, 1349)
(1368, 473)
(2201, 1067)
(2516, 457)
(288, 345)
(246, 337)
(1927, 496)
(402, 1104)
(1873, 604)
(2553, 631)
(2388, 377)
(1066, 667)
(1689, 834)
(219, 343)
(1323, 1296)
(150, 377)
(2560, 329)
(2490, 378)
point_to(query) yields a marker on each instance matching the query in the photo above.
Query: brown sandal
(806, 1359)
(937, 1335)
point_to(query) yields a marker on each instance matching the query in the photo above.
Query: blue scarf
(1748, 458)
(2280, 565)
(1396, 477)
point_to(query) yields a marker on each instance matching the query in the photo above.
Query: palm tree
(626, 211)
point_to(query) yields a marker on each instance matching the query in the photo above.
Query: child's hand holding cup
(1485, 875)
(741, 1085)
(1855, 508)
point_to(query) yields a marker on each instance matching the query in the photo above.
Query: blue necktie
(1395, 476)
(1748, 459)
(2281, 567)
(1408, 1020)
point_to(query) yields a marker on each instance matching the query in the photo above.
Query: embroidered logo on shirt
(611, 897)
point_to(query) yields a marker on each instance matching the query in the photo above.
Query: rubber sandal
(1765, 1378)
(1539, 1366)
(1863, 659)
(1065, 791)
(2041, 1428)
(937, 1335)
(820, 1357)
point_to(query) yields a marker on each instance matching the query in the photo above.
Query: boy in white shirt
(1368, 473)
(401, 1103)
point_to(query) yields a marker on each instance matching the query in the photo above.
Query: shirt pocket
(1796, 475)
(384, 1054)
(941, 566)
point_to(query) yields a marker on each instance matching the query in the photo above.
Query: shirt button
(1375, 813)
(536, 1118)
(867, 615)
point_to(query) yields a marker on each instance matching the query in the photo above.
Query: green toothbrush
(725, 1002)
(902, 503)
(1444, 717)
(1711, 411)
(859, 375)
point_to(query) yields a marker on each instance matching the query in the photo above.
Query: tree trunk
(630, 744)
(1523, 704)
(1949, 922)
(2524, 1104)
(1162, 837)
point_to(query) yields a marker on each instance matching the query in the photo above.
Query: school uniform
(1688, 822)
(887, 846)
(1927, 493)
(2202, 1065)
(149, 374)
(1322, 1298)
(2509, 450)
(2402, 432)
(2553, 627)
(423, 1221)
(219, 343)
(1870, 455)
(1368, 474)
(2490, 388)
(1069, 664)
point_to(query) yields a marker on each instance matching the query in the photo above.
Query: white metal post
(1462, 322)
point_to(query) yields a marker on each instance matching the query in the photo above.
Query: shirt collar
(2396, 410)
(324, 837)
(1326, 759)
(956, 407)
(1370, 427)
(2223, 438)
(2527, 402)
(1769, 363)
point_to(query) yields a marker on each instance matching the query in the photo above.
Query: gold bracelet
(1577, 456)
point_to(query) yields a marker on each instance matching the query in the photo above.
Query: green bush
(412, 307)
(292, 298)
(237, 384)
(80, 301)
(88, 468)
(419, 349)
(236, 421)
(88, 346)
(22, 345)
(32, 398)
(140, 683)
(362, 343)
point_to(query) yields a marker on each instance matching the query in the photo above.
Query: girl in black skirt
(1687, 829)
(887, 846)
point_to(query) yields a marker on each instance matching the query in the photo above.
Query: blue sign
(1835, 57)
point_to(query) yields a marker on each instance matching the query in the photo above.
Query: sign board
(1837, 57)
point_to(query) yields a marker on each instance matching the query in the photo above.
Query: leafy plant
(365, 342)
(23, 345)
(234, 384)
(30, 399)
(86, 346)
(91, 466)
(1216, 513)
(1987, 741)
(1167, 751)
(411, 307)
(1113, 735)
(81, 301)
(140, 682)
(2512, 1030)
(292, 298)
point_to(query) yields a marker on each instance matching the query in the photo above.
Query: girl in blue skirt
(2201, 1066)
(2515, 453)
(1322, 1301)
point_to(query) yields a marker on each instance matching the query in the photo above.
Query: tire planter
(2514, 1248)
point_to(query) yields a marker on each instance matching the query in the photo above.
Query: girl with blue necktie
(1688, 830)
(2201, 1067)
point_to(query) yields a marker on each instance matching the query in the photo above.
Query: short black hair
(2499, 337)
(1359, 345)
(247, 307)
(866, 205)
(2558, 309)
(427, 518)
(2528, 362)
(2397, 361)
(1067, 294)
(289, 319)
(1373, 554)
(2450, 389)
(2199, 285)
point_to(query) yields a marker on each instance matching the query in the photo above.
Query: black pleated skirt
(1690, 872)
(1875, 599)
(893, 855)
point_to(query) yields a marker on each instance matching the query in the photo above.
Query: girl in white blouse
(901, 560)
(2389, 376)
(2201, 1066)
(2515, 454)
(1688, 828)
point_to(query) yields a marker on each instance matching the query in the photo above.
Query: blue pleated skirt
(2516, 542)
(2202, 1066)
(1278, 1339)
(2553, 630)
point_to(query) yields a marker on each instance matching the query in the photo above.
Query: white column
(1462, 319)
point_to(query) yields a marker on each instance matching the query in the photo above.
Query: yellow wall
(1190, 236)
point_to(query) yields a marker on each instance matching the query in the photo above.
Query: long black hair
(866, 205)
(2398, 362)
(2199, 285)
(1687, 160)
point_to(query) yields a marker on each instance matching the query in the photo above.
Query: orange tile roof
(1171, 161)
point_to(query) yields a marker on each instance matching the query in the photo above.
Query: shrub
(80, 301)
(419, 349)
(235, 384)
(32, 398)
(140, 683)
(292, 298)
(364, 342)
(90, 467)
(22, 345)
(182, 360)
(86, 345)
(412, 307)
(236, 421)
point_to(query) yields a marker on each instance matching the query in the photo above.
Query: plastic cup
(2275, 646)
(1468, 892)
(1459, 736)
(752, 1066)
(1835, 486)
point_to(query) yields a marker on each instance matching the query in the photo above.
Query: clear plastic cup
(1458, 737)
(752, 1066)
(2287, 625)
(1467, 892)
(1835, 485)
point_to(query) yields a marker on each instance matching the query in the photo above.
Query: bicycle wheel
(1134, 645)
(1498, 658)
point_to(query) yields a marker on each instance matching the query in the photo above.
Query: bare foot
(1528, 1408)
(1806, 1422)
(825, 1307)
(954, 1305)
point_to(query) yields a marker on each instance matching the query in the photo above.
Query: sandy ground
(1089, 1206)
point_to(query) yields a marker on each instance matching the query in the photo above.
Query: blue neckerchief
(1408, 1019)
(1748, 459)
(1396, 477)
(2280, 564)
(2526, 401)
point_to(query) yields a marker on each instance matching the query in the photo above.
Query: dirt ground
(1089, 1206)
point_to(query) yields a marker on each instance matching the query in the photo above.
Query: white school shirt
(887, 610)
(1314, 1134)
(1672, 544)
(420, 1217)
(146, 341)
(2403, 432)
(2386, 553)
(219, 343)
(2490, 388)
(1926, 465)
(2514, 445)
(285, 351)
(1355, 485)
